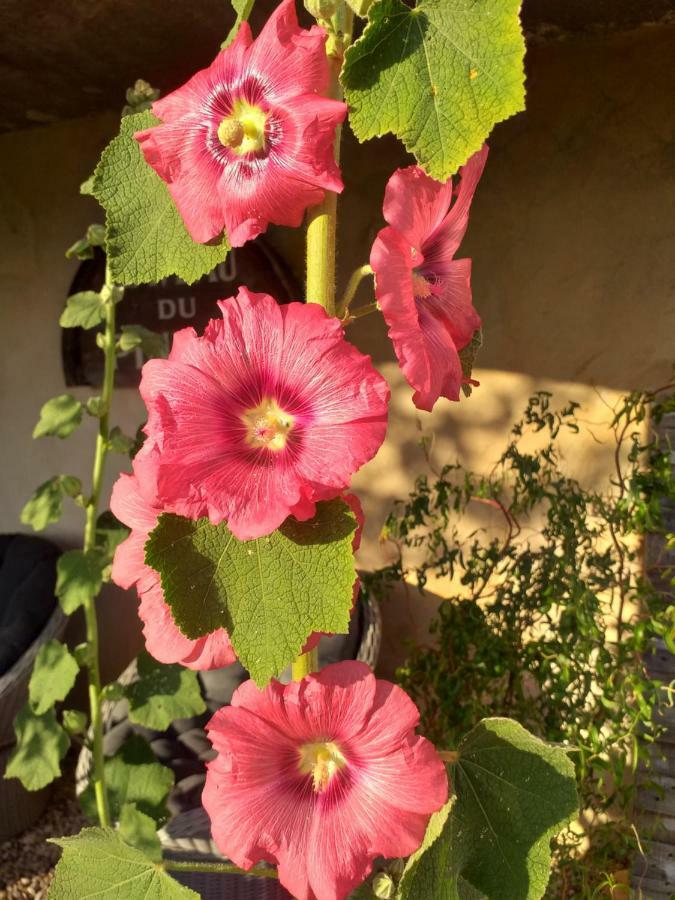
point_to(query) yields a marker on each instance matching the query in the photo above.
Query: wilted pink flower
(133, 504)
(267, 413)
(425, 294)
(249, 140)
(320, 777)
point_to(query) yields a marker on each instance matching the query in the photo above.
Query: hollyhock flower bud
(270, 411)
(133, 503)
(423, 292)
(321, 776)
(249, 140)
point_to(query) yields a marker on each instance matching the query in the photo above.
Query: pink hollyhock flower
(266, 414)
(320, 777)
(163, 639)
(249, 140)
(423, 292)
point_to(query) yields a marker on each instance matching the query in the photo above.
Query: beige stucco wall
(572, 237)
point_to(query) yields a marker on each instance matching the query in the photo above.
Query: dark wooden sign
(169, 306)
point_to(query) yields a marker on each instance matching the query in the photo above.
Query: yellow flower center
(421, 287)
(321, 760)
(267, 425)
(243, 131)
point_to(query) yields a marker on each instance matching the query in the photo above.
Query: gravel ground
(27, 861)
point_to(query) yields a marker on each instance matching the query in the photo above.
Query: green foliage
(74, 721)
(59, 417)
(79, 576)
(140, 97)
(41, 744)
(119, 442)
(146, 239)
(110, 533)
(83, 310)
(133, 775)
(84, 248)
(162, 694)
(53, 677)
(270, 593)
(98, 863)
(140, 831)
(542, 628)
(439, 76)
(360, 7)
(243, 10)
(45, 506)
(151, 343)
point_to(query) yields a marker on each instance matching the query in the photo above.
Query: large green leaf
(270, 593)
(243, 10)
(98, 863)
(54, 674)
(133, 775)
(146, 239)
(79, 576)
(512, 794)
(439, 76)
(140, 831)
(41, 744)
(59, 417)
(46, 504)
(162, 694)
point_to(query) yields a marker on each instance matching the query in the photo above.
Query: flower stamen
(322, 760)
(267, 425)
(243, 131)
(421, 287)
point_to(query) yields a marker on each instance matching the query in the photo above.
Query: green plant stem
(361, 312)
(172, 865)
(322, 219)
(100, 453)
(355, 280)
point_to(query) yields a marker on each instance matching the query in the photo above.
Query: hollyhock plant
(133, 504)
(321, 776)
(423, 292)
(268, 412)
(249, 140)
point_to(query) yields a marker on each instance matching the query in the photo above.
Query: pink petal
(167, 644)
(415, 204)
(452, 303)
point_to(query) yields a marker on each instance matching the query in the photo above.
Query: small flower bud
(383, 886)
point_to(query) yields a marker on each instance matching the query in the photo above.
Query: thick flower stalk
(249, 140)
(321, 776)
(268, 412)
(423, 291)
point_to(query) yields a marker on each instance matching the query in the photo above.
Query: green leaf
(243, 10)
(270, 593)
(439, 76)
(133, 775)
(83, 310)
(81, 249)
(41, 744)
(97, 863)
(74, 721)
(120, 442)
(360, 7)
(54, 674)
(59, 417)
(140, 831)
(513, 794)
(162, 694)
(152, 344)
(79, 576)
(45, 506)
(110, 533)
(146, 238)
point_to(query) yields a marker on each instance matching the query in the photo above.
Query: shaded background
(572, 236)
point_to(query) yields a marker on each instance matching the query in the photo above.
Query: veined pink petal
(273, 82)
(423, 292)
(260, 357)
(321, 777)
(165, 641)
